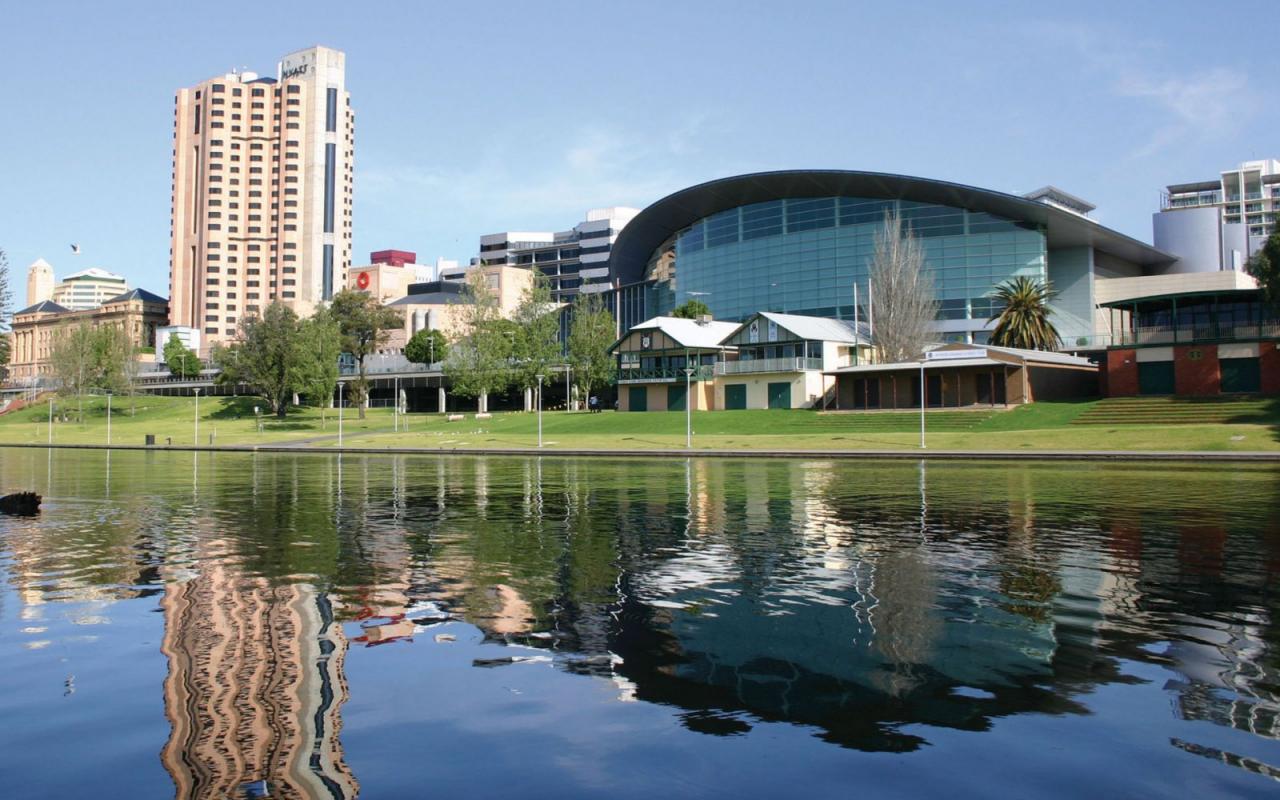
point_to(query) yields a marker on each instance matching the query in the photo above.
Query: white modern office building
(88, 288)
(574, 260)
(1218, 224)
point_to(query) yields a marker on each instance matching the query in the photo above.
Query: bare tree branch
(903, 297)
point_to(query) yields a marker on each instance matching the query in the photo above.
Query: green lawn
(231, 421)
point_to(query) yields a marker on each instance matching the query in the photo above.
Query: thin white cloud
(598, 166)
(1212, 102)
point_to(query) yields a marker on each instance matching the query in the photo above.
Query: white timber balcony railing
(797, 364)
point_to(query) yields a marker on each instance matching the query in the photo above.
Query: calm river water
(227, 625)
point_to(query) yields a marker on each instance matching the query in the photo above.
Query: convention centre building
(799, 241)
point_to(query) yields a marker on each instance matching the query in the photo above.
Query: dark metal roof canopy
(664, 218)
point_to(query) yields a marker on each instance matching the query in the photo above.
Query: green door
(638, 398)
(676, 395)
(780, 395)
(1155, 377)
(1240, 375)
(735, 396)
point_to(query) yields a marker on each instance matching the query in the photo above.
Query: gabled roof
(689, 332)
(137, 294)
(43, 307)
(818, 329)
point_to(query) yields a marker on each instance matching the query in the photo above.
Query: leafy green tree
(365, 325)
(72, 357)
(319, 348)
(479, 360)
(1024, 321)
(536, 324)
(1264, 267)
(691, 309)
(266, 356)
(591, 332)
(84, 358)
(427, 346)
(181, 360)
(115, 358)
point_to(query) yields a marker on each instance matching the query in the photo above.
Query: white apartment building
(574, 260)
(1218, 224)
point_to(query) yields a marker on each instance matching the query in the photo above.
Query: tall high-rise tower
(39, 282)
(262, 181)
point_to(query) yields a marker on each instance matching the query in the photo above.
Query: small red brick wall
(1122, 373)
(1197, 377)
(1269, 365)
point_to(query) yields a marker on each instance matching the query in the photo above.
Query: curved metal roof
(655, 224)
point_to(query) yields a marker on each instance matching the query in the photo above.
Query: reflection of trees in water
(810, 592)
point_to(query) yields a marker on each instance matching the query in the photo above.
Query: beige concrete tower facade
(262, 185)
(39, 282)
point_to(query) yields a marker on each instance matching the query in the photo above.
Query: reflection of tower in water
(254, 690)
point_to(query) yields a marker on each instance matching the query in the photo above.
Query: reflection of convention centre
(799, 242)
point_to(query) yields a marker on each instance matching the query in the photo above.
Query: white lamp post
(924, 401)
(340, 385)
(688, 408)
(50, 419)
(108, 419)
(197, 425)
(539, 376)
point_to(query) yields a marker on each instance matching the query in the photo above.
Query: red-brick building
(1193, 344)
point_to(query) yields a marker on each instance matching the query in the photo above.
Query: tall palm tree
(1024, 321)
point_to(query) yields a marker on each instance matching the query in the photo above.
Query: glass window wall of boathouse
(804, 255)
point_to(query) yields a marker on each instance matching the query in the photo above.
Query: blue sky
(479, 117)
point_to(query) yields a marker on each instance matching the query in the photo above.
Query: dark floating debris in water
(21, 503)
(502, 662)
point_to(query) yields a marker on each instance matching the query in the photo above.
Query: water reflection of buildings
(255, 689)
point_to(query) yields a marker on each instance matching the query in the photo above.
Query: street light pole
(924, 400)
(50, 419)
(197, 426)
(340, 385)
(539, 376)
(688, 408)
(108, 419)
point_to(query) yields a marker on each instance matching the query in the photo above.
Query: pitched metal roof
(43, 307)
(818, 329)
(97, 273)
(690, 332)
(1036, 356)
(904, 365)
(137, 294)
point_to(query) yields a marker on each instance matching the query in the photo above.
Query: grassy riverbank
(231, 421)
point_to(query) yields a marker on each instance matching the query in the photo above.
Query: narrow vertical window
(331, 110)
(327, 275)
(330, 156)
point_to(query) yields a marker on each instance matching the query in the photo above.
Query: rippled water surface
(228, 625)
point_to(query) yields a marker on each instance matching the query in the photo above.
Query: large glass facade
(804, 255)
